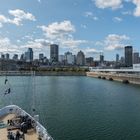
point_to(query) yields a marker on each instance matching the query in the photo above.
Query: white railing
(13, 109)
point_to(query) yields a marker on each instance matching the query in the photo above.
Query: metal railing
(13, 109)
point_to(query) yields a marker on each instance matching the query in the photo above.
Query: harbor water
(78, 107)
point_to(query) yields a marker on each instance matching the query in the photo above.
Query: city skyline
(101, 56)
(92, 26)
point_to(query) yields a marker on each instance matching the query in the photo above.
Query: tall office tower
(117, 58)
(41, 56)
(128, 56)
(62, 58)
(101, 58)
(22, 57)
(89, 61)
(29, 55)
(80, 60)
(7, 56)
(136, 58)
(54, 53)
(15, 57)
(122, 60)
(2, 56)
(70, 59)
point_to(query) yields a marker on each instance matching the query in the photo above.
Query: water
(79, 108)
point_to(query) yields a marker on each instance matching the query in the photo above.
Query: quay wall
(42, 73)
(121, 77)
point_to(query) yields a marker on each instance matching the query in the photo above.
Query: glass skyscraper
(29, 55)
(128, 56)
(54, 53)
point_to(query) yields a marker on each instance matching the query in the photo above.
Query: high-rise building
(62, 59)
(122, 60)
(117, 58)
(2, 56)
(29, 55)
(89, 61)
(128, 56)
(101, 58)
(136, 58)
(70, 59)
(41, 56)
(54, 53)
(80, 60)
(7, 56)
(22, 57)
(15, 57)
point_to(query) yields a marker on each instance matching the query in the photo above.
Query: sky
(93, 26)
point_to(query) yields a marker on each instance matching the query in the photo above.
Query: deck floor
(31, 135)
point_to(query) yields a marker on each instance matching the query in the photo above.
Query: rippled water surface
(79, 108)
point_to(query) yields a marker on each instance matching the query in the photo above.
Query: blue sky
(93, 26)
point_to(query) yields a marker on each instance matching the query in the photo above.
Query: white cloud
(58, 30)
(89, 51)
(62, 34)
(7, 46)
(73, 43)
(113, 4)
(92, 51)
(117, 19)
(4, 42)
(127, 13)
(19, 16)
(38, 45)
(3, 19)
(28, 37)
(90, 15)
(137, 9)
(114, 42)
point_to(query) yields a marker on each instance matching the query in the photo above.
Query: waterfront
(79, 108)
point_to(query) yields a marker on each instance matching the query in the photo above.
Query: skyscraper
(80, 58)
(128, 56)
(54, 53)
(7, 56)
(41, 56)
(22, 57)
(89, 61)
(70, 59)
(101, 58)
(136, 58)
(117, 58)
(15, 57)
(29, 55)
(2, 56)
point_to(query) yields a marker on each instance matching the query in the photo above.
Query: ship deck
(5, 129)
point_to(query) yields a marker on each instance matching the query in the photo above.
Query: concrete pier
(122, 77)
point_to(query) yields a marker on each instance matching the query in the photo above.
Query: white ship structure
(17, 124)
